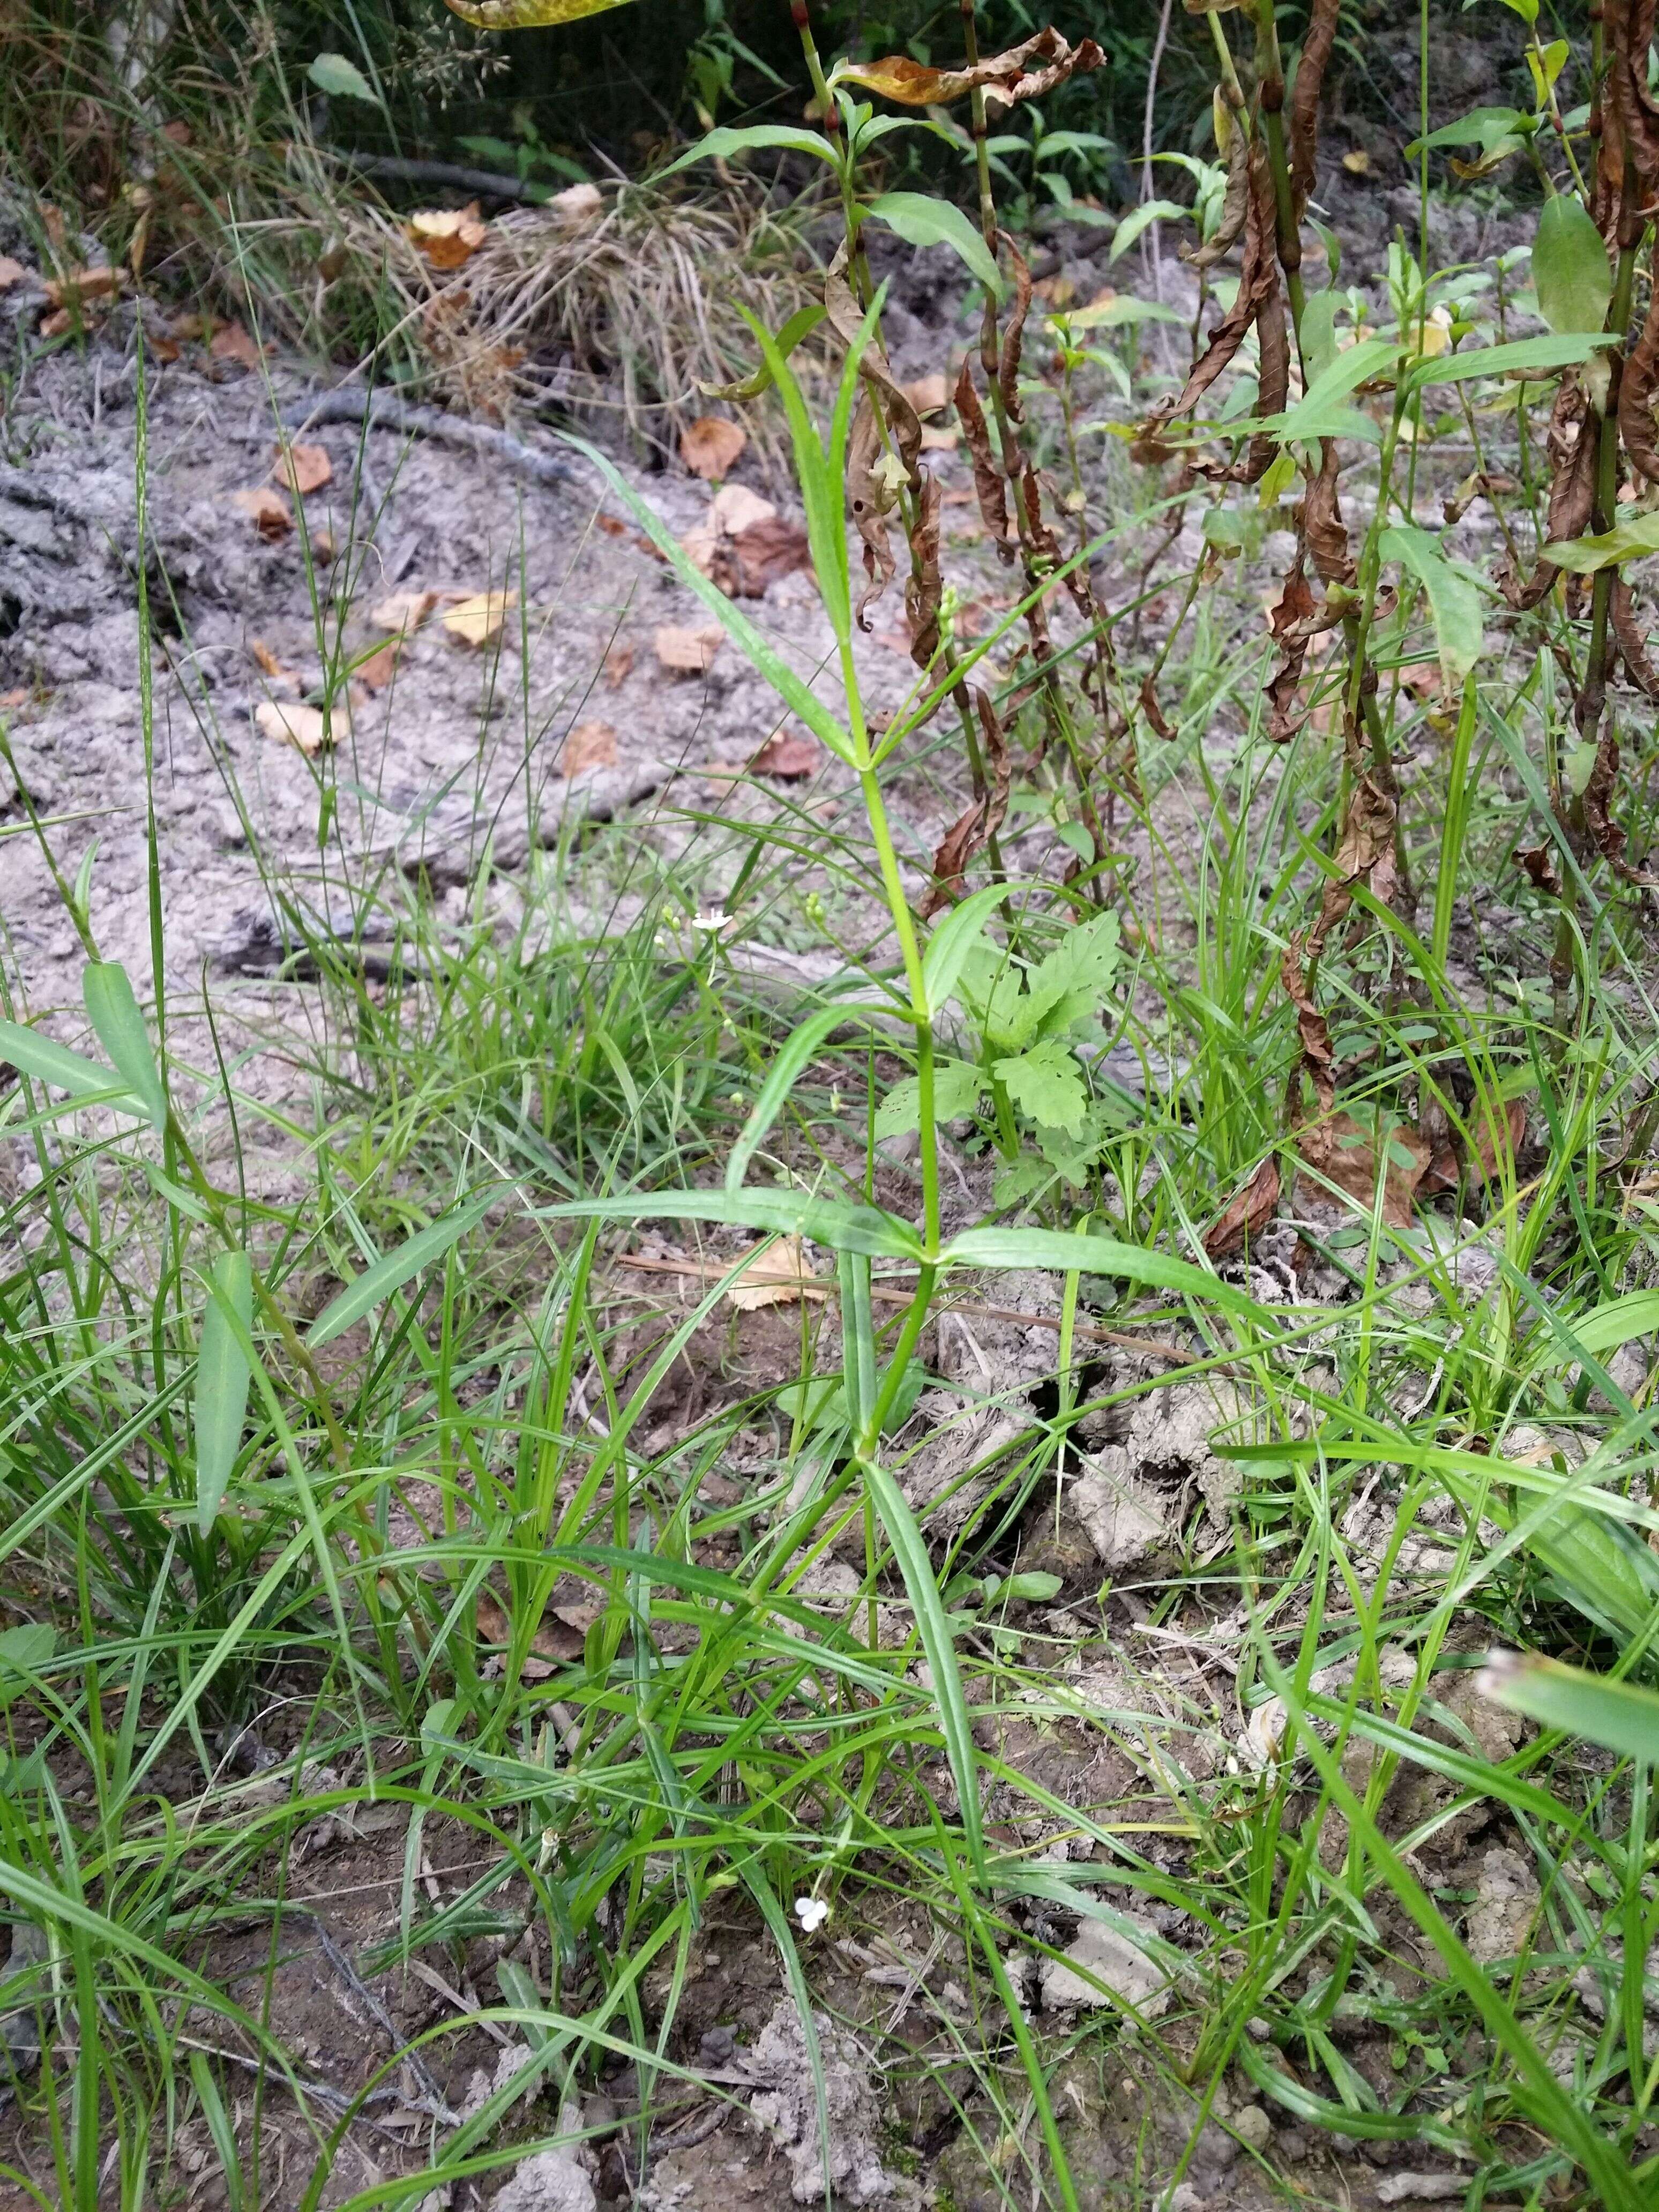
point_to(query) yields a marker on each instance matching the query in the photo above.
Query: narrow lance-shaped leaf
(525, 15)
(395, 1269)
(120, 1027)
(1454, 598)
(222, 1376)
(921, 220)
(781, 1079)
(45, 1061)
(1570, 269)
(1621, 1716)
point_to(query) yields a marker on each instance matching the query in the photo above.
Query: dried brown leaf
(403, 612)
(766, 550)
(1323, 530)
(1028, 71)
(1318, 1058)
(11, 272)
(232, 343)
(1341, 1152)
(590, 744)
(1638, 383)
(929, 395)
(1013, 337)
(1494, 1146)
(1632, 645)
(924, 589)
(446, 238)
(618, 665)
(1258, 282)
(303, 469)
(687, 652)
(1295, 608)
(1247, 1213)
(1235, 207)
(1302, 112)
(272, 667)
(377, 669)
(266, 508)
(869, 501)
(988, 485)
(559, 1639)
(968, 836)
(1158, 721)
(712, 446)
(83, 288)
(788, 756)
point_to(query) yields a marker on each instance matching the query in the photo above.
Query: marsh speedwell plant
(1270, 1038)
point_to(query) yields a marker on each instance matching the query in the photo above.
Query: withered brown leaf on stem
(988, 485)
(1638, 384)
(1540, 863)
(1341, 1152)
(869, 504)
(1318, 1061)
(1323, 530)
(1632, 645)
(870, 499)
(1005, 77)
(924, 589)
(968, 835)
(1155, 715)
(1571, 445)
(1295, 609)
(1302, 111)
(1258, 282)
(1013, 337)
(1235, 207)
(1246, 1214)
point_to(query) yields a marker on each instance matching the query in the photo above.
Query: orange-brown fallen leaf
(266, 508)
(56, 324)
(303, 469)
(929, 395)
(1247, 1214)
(1487, 1146)
(789, 757)
(377, 668)
(478, 620)
(272, 666)
(618, 665)
(233, 343)
(711, 445)
(766, 552)
(687, 652)
(11, 272)
(82, 287)
(559, 1638)
(447, 237)
(590, 744)
(289, 724)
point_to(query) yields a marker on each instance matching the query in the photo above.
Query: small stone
(1111, 1961)
(1252, 2127)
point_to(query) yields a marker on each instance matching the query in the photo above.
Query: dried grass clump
(610, 297)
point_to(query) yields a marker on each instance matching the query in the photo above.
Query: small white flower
(713, 921)
(811, 1912)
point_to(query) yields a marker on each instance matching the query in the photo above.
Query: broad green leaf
(394, 1269)
(1565, 349)
(957, 1087)
(781, 1077)
(1121, 313)
(27, 1647)
(1621, 1716)
(1624, 542)
(1371, 358)
(1045, 1082)
(1136, 220)
(1453, 599)
(1071, 982)
(119, 1028)
(1091, 1255)
(45, 1061)
(1570, 269)
(921, 220)
(762, 656)
(952, 942)
(1637, 1314)
(222, 1376)
(1481, 126)
(1319, 334)
(719, 145)
(836, 1226)
(342, 80)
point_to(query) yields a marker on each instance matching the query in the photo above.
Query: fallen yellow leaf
(302, 727)
(687, 652)
(774, 1277)
(403, 612)
(478, 620)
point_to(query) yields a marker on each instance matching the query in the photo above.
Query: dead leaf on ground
(1343, 1152)
(269, 511)
(478, 620)
(324, 548)
(1358, 163)
(8, 700)
(11, 272)
(767, 551)
(403, 612)
(559, 1639)
(734, 508)
(575, 205)
(303, 469)
(83, 287)
(773, 1278)
(1247, 1214)
(711, 445)
(56, 324)
(590, 744)
(687, 652)
(232, 343)
(1485, 1162)
(377, 668)
(159, 347)
(447, 237)
(293, 724)
(272, 666)
(618, 665)
(789, 756)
